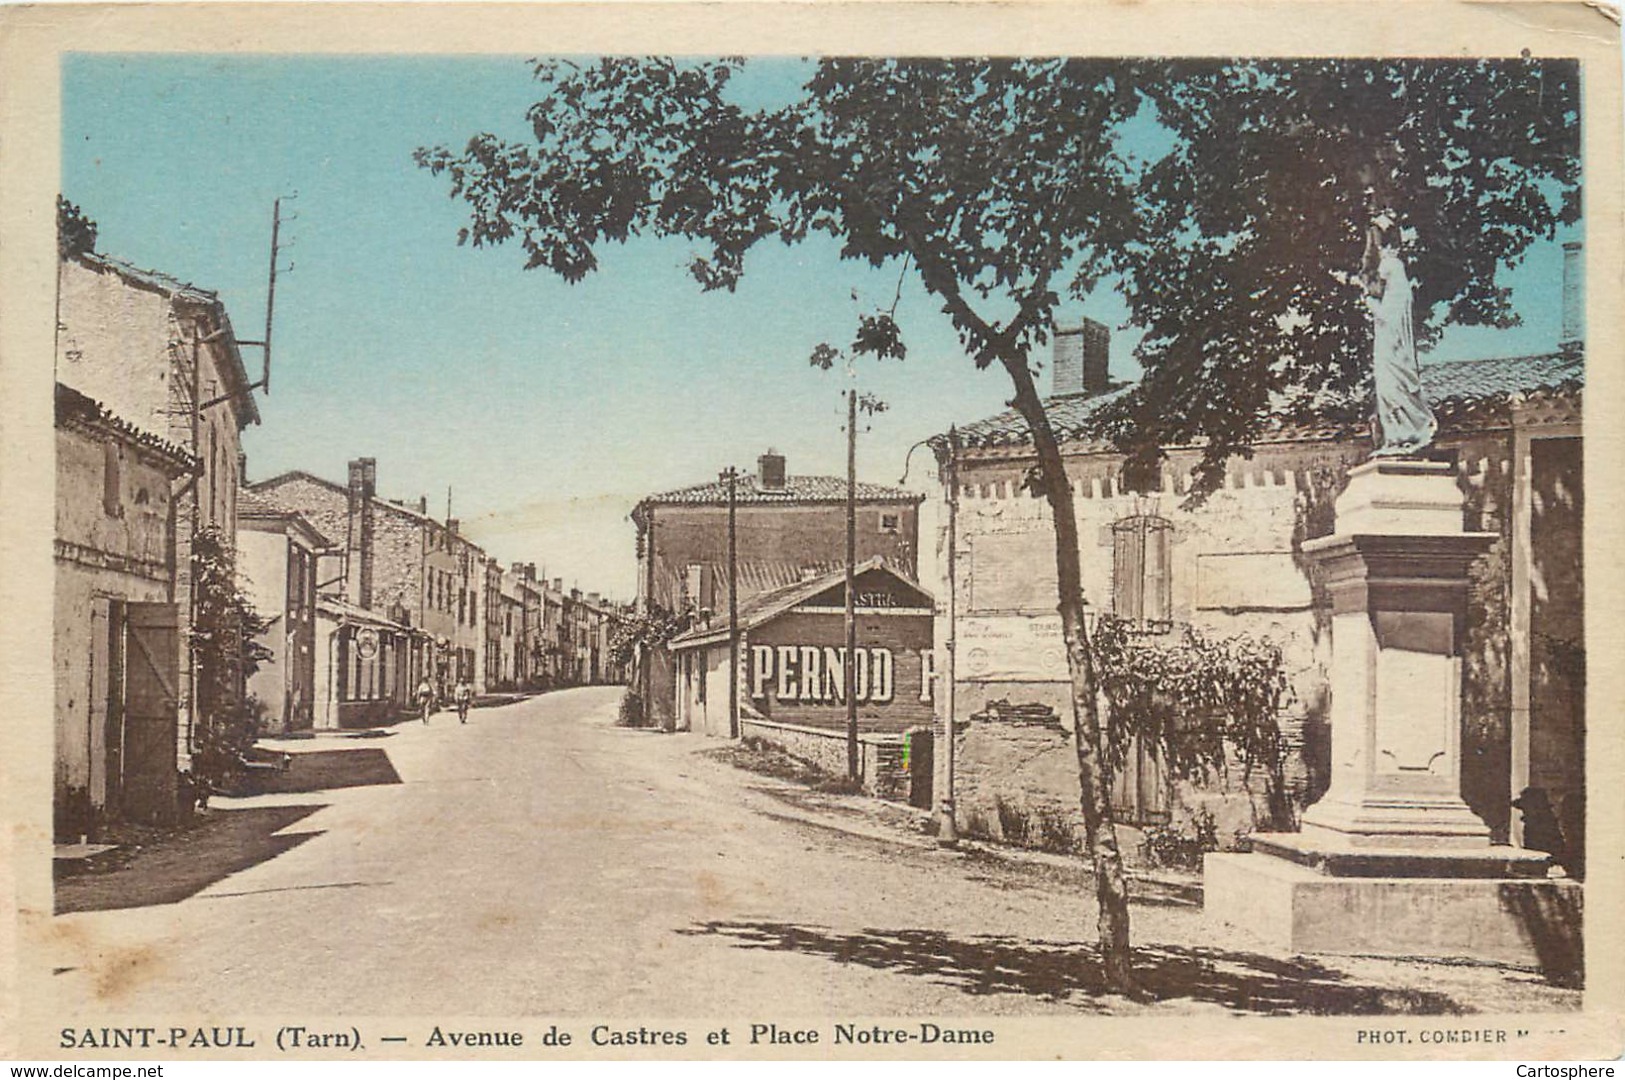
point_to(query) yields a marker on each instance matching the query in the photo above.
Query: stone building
(160, 356)
(531, 640)
(115, 649)
(1512, 429)
(792, 672)
(785, 526)
(419, 581)
(278, 554)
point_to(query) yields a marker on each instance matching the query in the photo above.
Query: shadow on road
(324, 770)
(1071, 971)
(180, 864)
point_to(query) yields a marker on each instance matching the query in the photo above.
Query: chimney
(358, 533)
(592, 598)
(558, 585)
(770, 471)
(1082, 359)
(423, 505)
(1574, 300)
(452, 525)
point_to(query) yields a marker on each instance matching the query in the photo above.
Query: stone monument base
(1440, 906)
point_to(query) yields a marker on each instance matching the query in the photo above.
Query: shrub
(976, 826)
(1013, 823)
(1055, 832)
(631, 713)
(1181, 846)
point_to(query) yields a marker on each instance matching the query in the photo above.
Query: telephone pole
(733, 604)
(851, 664)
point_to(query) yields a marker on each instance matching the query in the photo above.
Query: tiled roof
(76, 408)
(1447, 385)
(334, 605)
(758, 576)
(764, 606)
(251, 506)
(393, 505)
(797, 489)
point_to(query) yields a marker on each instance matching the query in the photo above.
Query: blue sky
(549, 408)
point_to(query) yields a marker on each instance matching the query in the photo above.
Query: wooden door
(151, 700)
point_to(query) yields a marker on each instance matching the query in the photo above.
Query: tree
(75, 232)
(1004, 185)
(1246, 278)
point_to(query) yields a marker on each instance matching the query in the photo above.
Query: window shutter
(1158, 594)
(1128, 570)
(110, 479)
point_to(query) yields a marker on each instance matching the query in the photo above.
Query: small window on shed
(888, 523)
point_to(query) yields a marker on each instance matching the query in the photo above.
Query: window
(888, 523)
(1141, 591)
(112, 504)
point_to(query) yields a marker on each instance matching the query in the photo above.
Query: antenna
(270, 292)
(277, 248)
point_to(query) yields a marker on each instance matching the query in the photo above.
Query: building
(1511, 427)
(792, 656)
(531, 641)
(784, 526)
(401, 574)
(159, 359)
(278, 554)
(115, 653)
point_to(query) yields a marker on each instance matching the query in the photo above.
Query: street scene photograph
(626, 539)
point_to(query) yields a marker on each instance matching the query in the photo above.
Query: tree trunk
(1099, 830)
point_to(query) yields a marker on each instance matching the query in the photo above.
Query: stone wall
(882, 765)
(100, 556)
(1235, 568)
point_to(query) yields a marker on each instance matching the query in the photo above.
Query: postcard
(810, 530)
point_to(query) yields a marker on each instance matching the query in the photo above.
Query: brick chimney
(770, 471)
(1574, 300)
(1082, 359)
(558, 585)
(358, 533)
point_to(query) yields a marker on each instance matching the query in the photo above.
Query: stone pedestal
(1391, 860)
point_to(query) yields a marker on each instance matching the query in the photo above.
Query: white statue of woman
(1405, 423)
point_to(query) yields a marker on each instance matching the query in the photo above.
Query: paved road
(541, 861)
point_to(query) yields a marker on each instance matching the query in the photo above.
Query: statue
(1405, 423)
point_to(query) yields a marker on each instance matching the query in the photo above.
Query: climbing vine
(649, 628)
(225, 652)
(1195, 701)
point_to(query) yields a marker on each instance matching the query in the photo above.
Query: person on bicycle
(463, 695)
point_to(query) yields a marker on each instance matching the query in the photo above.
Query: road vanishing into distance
(541, 861)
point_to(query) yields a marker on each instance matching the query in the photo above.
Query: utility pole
(270, 296)
(851, 665)
(733, 604)
(947, 829)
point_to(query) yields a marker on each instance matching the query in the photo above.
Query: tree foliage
(225, 651)
(650, 628)
(1245, 272)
